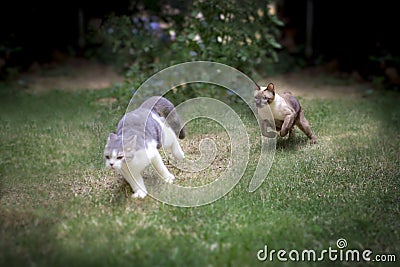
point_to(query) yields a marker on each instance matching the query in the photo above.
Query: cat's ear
(256, 87)
(271, 87)
(111, 137)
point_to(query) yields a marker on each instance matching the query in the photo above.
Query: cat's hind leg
(305, 127)
(292, 132)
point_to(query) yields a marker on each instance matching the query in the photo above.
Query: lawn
(60, 207)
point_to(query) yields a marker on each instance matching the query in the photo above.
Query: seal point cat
(286, 110)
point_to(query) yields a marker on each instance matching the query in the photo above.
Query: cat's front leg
(138, 186)
(170, 141)
(139, 194)
(135, 180)
(162, 169)
(177, 151)
(264, 125)
(287, 125)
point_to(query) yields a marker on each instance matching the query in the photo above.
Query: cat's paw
(169, 178)
(139, 194)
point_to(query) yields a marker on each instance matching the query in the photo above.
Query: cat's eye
(120, 157)
(265, 98)
(107, 157)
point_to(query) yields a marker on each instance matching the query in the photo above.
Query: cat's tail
(166, 109)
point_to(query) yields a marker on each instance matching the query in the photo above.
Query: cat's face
(264, 95)
(114, 154)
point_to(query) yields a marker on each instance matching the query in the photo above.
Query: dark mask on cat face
(264, 95)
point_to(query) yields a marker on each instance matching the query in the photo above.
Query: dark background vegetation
(352, 36)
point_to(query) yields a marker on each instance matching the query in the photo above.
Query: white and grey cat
(140, 133)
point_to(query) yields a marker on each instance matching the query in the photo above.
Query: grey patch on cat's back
(141, 124)
(164, 108)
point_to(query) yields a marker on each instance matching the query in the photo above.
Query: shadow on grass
(292, 143)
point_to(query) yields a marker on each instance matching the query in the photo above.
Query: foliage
(237, 33)
(135, 39)
(385, 74)
(7, 70)
(241, 34)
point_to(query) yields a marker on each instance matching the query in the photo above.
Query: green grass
(60, 207)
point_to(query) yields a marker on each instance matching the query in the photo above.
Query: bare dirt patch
(69, 74)
(78, 73)
(318, 83)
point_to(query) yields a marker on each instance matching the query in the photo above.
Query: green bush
(241, 34)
